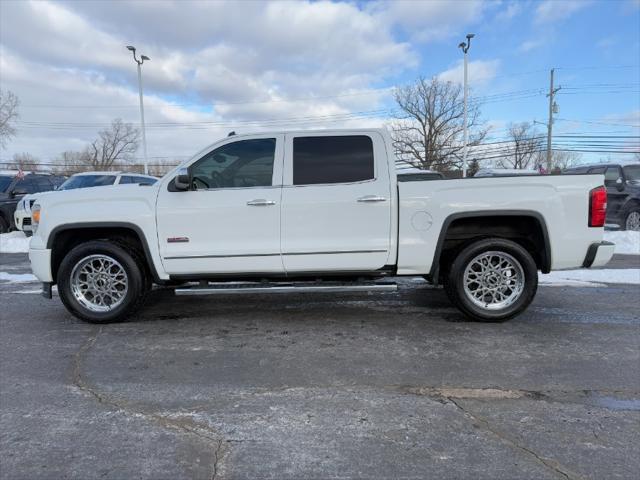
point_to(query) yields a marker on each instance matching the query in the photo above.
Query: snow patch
(14, 242)
(590, 278)
(17, 277)
(627, 243)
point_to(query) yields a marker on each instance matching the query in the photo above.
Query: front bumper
(41, 264)
(598, 254)
(22, 220)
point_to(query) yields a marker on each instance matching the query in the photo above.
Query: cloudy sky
(247, 66)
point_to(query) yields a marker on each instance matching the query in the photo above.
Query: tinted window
(42, 184)
(57, 181)
(5, 181)
(338, 159)
(597, 170)
(137, 180)
(245, 163)
(612, 174)
(84, 181)
(144, 180)
(126, 179)
(632, 173)
(26, 185)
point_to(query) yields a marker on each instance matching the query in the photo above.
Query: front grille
(26, 221)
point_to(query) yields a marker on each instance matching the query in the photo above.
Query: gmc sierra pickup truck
(314, 211)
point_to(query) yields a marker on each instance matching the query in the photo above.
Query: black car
(623, 191)
(12, 188)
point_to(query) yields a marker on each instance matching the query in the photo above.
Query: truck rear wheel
(101, 282)
(492, 280)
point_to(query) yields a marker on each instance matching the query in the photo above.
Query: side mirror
(181, 181)
(620, 184)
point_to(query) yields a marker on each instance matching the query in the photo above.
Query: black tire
(4, 226)
(139, 284)
(624, 226)
(454, 280)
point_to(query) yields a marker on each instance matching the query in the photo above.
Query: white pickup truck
(314, 211)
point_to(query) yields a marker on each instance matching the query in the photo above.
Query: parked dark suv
(12, 188)
(623, 192)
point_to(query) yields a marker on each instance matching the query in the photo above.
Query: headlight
(35, 217)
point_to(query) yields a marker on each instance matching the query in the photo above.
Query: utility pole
(144, 134)
(552, 107)
(465, 48)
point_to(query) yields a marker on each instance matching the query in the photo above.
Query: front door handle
(371, 198)
(260, 202)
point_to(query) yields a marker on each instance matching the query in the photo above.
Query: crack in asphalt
(451, 395)
(198, 429)
(479, 421)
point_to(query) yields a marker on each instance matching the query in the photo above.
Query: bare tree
(23, 161)
(160, 168)
(115, 145)
(525, 145)
(71, 162)
(561, 159)
(8, 115)
(429, 135)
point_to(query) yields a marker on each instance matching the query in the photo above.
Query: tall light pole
(465, 48)
(144, 134)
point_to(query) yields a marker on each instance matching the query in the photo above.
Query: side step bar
(307, 287)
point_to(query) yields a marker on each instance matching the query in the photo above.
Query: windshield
(632, 172)
(5, 181)
(84, 181)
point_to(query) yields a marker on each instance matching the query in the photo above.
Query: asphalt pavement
(393, 385)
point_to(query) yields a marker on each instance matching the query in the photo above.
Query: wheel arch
(458, 229)
(65, 237)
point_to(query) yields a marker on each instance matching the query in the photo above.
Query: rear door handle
(260, 202)
(371, 199)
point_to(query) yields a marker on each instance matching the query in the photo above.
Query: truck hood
(133, 206)
(100, 195)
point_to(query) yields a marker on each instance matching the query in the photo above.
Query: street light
(465, 48)
(144, 135)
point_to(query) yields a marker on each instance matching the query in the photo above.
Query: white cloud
(550, 11)
(243, 60)
(606, 43)
(481, 72)
(430, 20)
(628, 118)
(529, 45)
(513, 9)
(228, 63)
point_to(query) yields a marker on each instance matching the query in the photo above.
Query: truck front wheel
(101, 282)
(492, 280)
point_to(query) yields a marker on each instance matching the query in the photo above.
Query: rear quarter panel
(561, 201)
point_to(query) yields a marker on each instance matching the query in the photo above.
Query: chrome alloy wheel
(99, 283)
(493, 280)
(633, 222)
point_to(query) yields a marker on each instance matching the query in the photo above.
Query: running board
(259, 288)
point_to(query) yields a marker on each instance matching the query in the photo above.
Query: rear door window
(332, 159)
